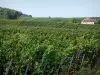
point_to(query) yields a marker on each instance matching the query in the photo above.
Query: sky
(55, 8)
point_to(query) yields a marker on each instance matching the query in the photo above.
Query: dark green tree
(98, 21)
(74, 20)
(6, 13)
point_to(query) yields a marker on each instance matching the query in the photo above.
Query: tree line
(6, 13)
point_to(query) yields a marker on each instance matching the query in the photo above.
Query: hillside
(57, 19)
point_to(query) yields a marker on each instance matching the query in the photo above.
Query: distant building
(88, 21)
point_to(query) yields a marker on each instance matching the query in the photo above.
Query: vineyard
(49, 48)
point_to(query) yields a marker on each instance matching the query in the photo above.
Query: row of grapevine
(10, 22)
(58, 25)
(26, 71)
(31, 44)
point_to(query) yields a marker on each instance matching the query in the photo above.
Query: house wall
(87, 23)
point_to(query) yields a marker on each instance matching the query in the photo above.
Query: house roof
(89, 20)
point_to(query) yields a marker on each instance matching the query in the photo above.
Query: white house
(88, 21)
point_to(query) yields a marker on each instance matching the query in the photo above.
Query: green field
(30, 42)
